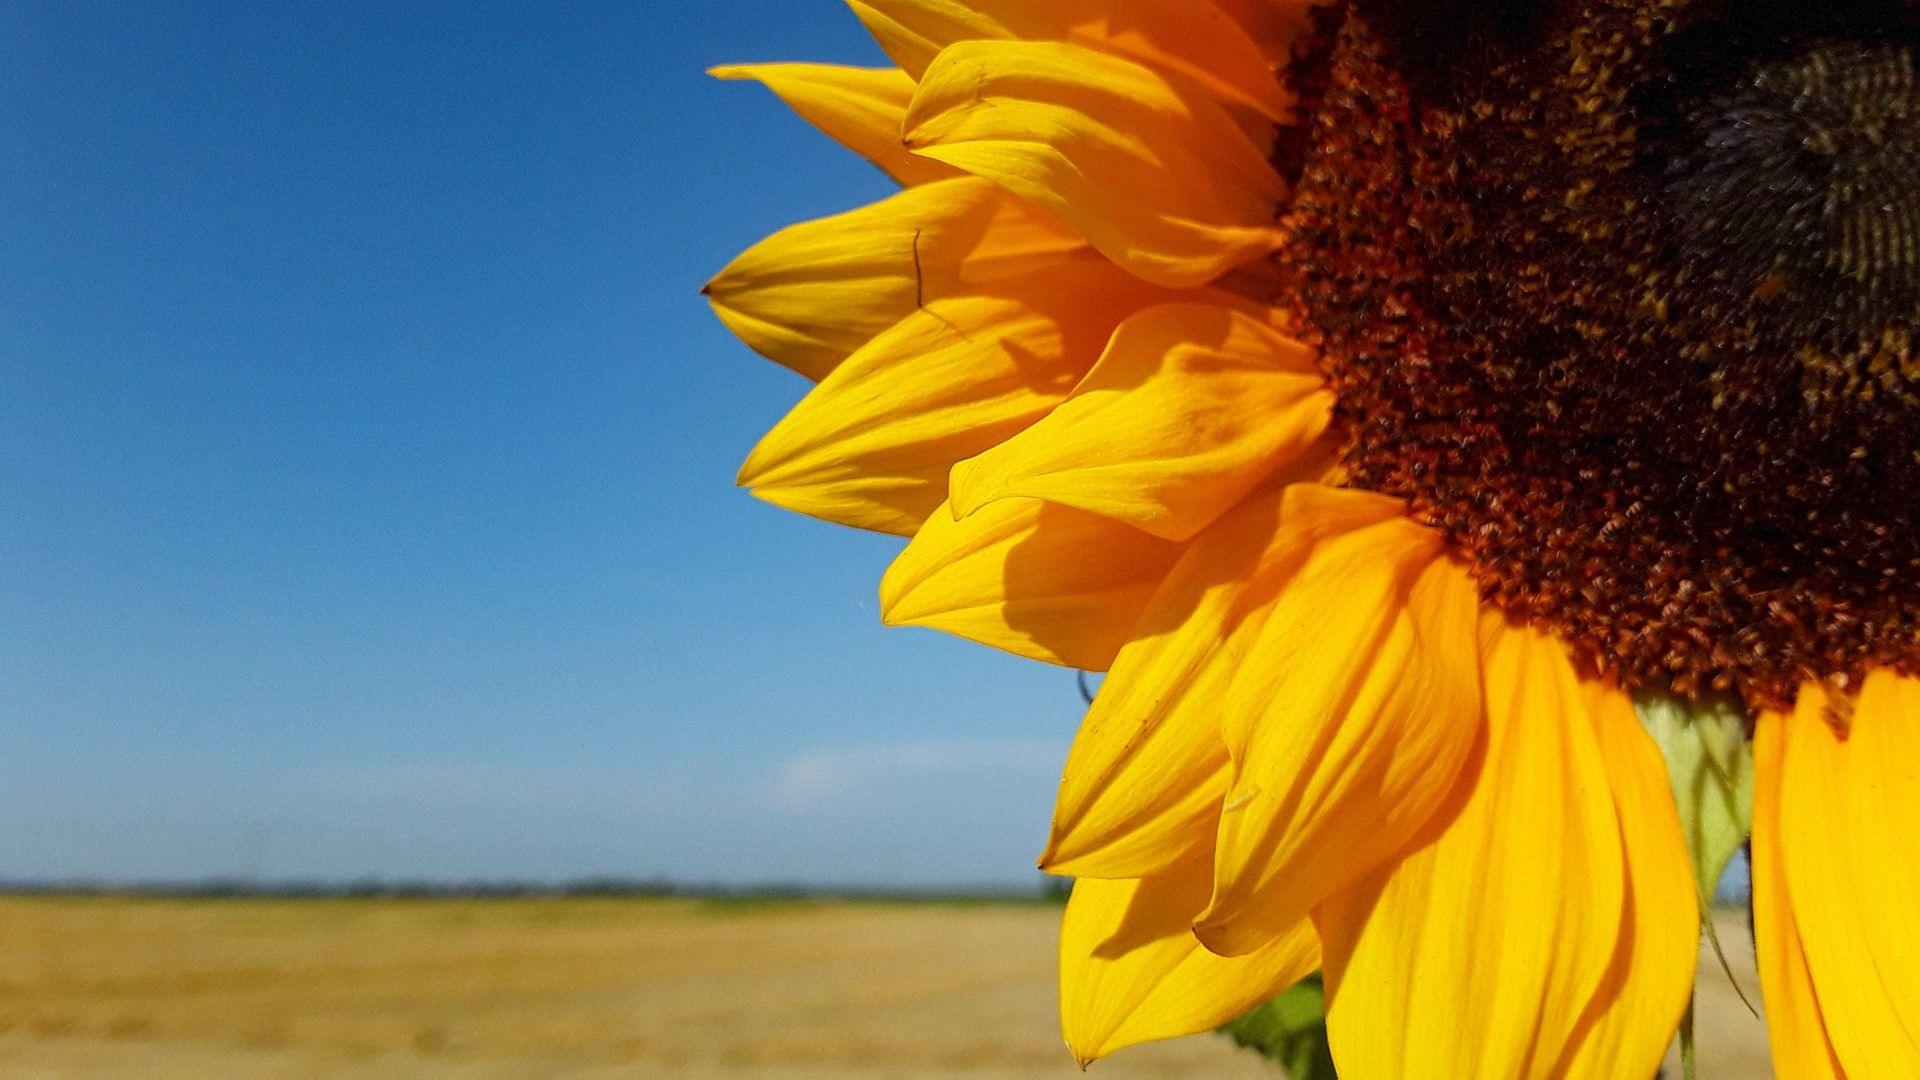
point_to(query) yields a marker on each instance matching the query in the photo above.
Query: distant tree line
(1047, 890)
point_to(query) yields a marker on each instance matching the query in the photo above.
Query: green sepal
(1710, 765)
(1689, 1050)
(1291, 1029)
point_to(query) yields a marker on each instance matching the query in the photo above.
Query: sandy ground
(1731, 1037)
(584, 988)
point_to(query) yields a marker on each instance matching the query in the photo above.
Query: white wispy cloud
(825, 779)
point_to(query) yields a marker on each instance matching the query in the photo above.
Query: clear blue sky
(366, 463)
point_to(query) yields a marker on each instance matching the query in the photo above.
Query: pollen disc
(1623, 296)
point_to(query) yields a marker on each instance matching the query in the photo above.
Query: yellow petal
(812, 293)
(1191, 407)
(1796, 1028)
(1478, 952)
(1042, 581)
(1131, 971)
(1143, 783)
(1848, 806)
(859, 108)
(1350, 720)
(1632, 1018)
(1143, 164)
(912, 32)
(871, 446)
(1196, 40)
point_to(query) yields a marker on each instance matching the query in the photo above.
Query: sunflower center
(1627, 308)
(1796, 178)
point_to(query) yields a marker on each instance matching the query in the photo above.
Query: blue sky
(366, 463)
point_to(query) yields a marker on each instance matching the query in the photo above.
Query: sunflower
(1407, 405)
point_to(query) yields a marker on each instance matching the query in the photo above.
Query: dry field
(578, 988)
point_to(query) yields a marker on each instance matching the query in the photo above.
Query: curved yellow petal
(859, 108)
(1151, 171)
(871, 446)
(1143, 782)
(1632, 1018)
(1131, 971)
(1190, 408)
(912, 32)
(1796, 1028)
(1350, 720)
(1197, 40)
(1042, 581)
(812, 293)
(1477, 953)
(1849, 802)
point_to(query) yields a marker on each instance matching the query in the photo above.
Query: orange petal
(1042, 581)
(1131, 971)
(1848, 804)
(1478, 952)
(871, 446)
(1350, 720)
(1190, 408)
(1196, 40)
(1632, 1018)
(859, 108)
(1273, 25)
(1796, 1028)
(812, 293)
(1150, 170)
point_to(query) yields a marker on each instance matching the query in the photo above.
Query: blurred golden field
(101, 987)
